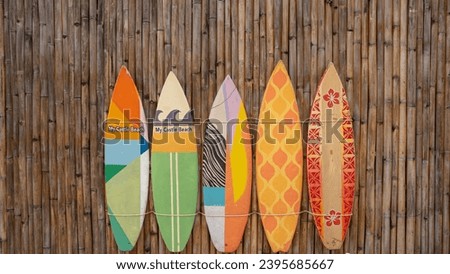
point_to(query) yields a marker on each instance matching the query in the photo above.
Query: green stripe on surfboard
(175, 176)
(123, 199)
(112, 170)
(122, 240)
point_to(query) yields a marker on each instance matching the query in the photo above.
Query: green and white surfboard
(174, 166)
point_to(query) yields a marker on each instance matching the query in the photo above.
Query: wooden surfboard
(227, 169)
(174, 166)
(126, 162)
(279, 160)
(331, 160)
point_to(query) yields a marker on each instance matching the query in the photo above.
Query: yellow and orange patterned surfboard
(279, 160)
(331, 160)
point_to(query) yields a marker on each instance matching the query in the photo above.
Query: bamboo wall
(59, 60)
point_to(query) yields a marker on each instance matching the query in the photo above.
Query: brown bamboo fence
(59, 60)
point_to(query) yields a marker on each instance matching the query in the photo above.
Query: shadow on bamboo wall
(59, 60)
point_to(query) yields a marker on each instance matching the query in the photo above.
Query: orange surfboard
(279, 160)
(331, 160)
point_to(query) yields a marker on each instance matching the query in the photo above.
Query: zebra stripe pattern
(214, 157)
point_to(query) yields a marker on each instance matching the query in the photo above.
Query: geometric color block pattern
(174, 166)
(279, 160)
(227, 169)
(126, 162)
(331, 160)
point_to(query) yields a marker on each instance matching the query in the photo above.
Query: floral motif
(333, 218)
(331, 97)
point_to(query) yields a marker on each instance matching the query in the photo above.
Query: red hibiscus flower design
(333, 218)
(331, 97)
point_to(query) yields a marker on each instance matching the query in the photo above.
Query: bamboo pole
(252, 112)
(262, 84)
(387, 152)
(411, 99)
(379, 130)
(304, 109)
(28, 75)
(433, 152)
(446, 187)
(154, 89)
(307, 99)
(196, 102)
(3, 145)
(69, 166)
(395, 122)
(146, 13)
(426, 124)
(60, 194)
(363, 157)
(419, 129)
(401, 212)
(371, 133)
(205, 106)
(247, 77)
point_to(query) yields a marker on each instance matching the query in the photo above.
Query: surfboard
(174, 166)
(227, 168)
(126, 162)
(279, 160)
(331, 160)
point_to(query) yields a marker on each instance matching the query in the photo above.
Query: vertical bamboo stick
(249, 90)
(77, 128)
(433, 80)
(363, 151)
(371, 133)
(146, 93)
(220, 52)
(20, 91)
(356, 112)
(419, 129)
(253, 224)
(135, 64)
(196, 102)
(9, 122)
(59, 129)
(69, 166)
(201, 93)
(307, 98)
(424, 230)
(411, 99)
(85, 126)
(379, 131)
(101, 89)
(446, 188)
(401, 228)
(28, 76)
(395, 122)
(387, 142)
(262, 85)
(154, 89)
(3, 178)
(93, 124)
